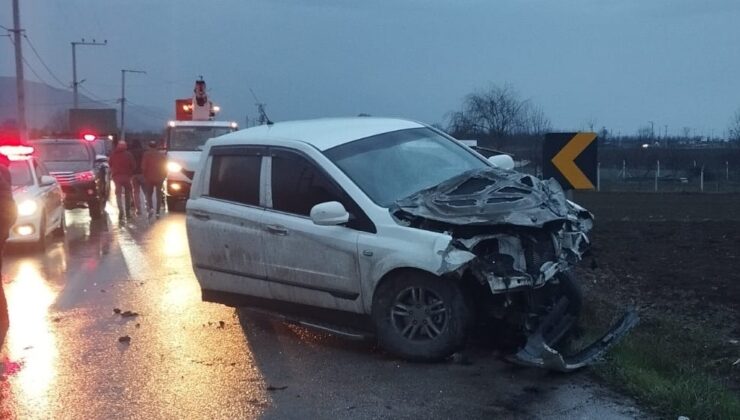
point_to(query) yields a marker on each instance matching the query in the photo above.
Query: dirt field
(676, 257)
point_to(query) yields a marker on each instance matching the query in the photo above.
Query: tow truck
(185, 137)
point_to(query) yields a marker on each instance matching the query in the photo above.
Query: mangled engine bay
(517, 236)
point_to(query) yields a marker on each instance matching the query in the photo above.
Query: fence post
(624, 170)
(701, 179)
(657, 174)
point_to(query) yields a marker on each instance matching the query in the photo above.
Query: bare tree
(733, 131)
(591, 123)
(496, 112)
(644, 133)
(536, 123)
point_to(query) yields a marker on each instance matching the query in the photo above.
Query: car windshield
(391, 166)
(192, 138)
(20, 174)
(62, 152)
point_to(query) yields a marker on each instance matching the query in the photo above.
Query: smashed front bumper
(539, 350)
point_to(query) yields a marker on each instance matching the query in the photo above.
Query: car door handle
(201, 216)
(277, 229)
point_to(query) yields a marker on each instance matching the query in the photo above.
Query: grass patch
(667, 368)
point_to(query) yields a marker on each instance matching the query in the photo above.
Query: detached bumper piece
(538, 351)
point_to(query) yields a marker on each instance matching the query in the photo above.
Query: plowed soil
(675, 257)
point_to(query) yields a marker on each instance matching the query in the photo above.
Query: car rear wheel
(421, 317)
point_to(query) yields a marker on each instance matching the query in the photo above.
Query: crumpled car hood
(490, 196)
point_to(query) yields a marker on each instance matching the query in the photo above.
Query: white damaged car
(389, 227)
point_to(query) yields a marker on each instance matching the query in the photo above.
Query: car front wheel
(41, 243)
(421, 317)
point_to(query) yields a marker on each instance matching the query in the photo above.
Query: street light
(123, 100)
(75, 83)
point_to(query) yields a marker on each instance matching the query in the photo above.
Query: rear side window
(236, 178)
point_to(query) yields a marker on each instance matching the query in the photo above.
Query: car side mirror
(502, 161)
(331, 213)
(101, 158)
(47, 180)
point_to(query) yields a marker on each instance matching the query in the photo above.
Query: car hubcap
(419, 314)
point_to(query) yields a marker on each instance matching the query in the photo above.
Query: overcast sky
(618, 63)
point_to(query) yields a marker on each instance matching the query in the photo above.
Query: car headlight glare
(174, 166)
(27, 207)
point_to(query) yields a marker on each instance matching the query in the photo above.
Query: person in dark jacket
(122, 166)
(154, 170)
(7, 219)
(137, 180)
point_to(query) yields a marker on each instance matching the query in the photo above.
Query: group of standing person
(135, 170)
(132, 171)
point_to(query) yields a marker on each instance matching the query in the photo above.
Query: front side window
(38, 171)
(236, 178)
(392, 166)
(20, 174)
(298, 185)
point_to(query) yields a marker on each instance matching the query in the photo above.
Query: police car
(37, 195)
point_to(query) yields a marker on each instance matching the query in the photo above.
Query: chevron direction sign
(571, 158)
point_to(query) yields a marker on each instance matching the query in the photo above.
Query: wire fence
(707, 178)
(723, 178)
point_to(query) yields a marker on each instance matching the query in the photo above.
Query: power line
(150, 111)
(93, 95)
(4, 27)
(61, 103)
(41, 79)
(30, 44)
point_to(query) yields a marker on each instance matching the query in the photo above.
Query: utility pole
(19, 84)
(652, 129)
(123, 100)
(75, 83)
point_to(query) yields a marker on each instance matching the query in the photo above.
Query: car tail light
(84, 176)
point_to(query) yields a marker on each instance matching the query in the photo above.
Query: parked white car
(38, 197)
(391, 227)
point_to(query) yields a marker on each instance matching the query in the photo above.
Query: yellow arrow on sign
(565, 161)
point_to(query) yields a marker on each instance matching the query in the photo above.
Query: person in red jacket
(154, 169)
(122, 167)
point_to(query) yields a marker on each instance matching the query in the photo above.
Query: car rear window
(62, 152)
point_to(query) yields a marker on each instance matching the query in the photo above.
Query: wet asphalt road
(189, 359)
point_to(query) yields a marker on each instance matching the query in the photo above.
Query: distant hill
(47, 106)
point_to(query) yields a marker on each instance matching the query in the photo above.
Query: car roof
(58, 140)
(323, 133)
(199, 123)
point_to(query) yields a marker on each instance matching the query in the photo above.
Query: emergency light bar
(14, 153)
